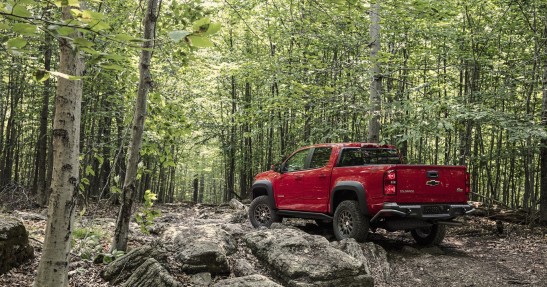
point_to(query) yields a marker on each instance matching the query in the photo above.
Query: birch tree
(53, 267)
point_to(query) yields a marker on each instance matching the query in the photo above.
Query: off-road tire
(349, 222)
(262, 212)
(429, 236)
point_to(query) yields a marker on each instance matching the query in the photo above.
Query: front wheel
(349, 222)
(262, 213)
(430, 235)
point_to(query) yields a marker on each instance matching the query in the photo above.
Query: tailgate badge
(433, 182)
(459, 190)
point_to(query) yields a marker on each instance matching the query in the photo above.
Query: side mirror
(277, 167)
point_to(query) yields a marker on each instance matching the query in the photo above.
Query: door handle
(298, 177)
(322, 175)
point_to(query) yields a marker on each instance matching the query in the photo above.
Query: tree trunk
(53, 267)
(201, 187)
(376, 82)
(39, 183)
(145, 82)
(543, 186)
(196, 185)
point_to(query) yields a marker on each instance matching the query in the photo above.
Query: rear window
(364, 156)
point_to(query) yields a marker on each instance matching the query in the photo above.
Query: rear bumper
(423, 211)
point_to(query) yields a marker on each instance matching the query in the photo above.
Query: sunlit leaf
(17, 43)
(65, 31)
(124, 37)
(201, 22)
(81, 42)
(89, 171)
(213, 28)
(99, 26)
(177, 36)
(112, 67)
(64, 76)
(41, 76)
(61, 3)
(89, 15)
(200, 42)
(26, 2)
(90, 51)
(21, 11)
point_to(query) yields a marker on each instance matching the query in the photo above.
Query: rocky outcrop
(14, 245)
(242, 267)
(151, 273)
(240, 214)
(200, 248)
(124, 267)
(301, 259)
(247, 281)
(373, 257)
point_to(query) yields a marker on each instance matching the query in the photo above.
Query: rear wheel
(349, 222)
(429, 235)
(262, 212)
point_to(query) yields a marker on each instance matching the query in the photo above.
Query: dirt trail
(471, 255)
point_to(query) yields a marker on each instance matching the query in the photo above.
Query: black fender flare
(354, 186)
(263, 184)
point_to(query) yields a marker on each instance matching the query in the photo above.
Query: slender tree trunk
(53, 267)
(39, 183)
(543, 157)
(106, 168)
(376, 82)
(196, 190)
(145, 82)
(201, 187)
(120, 158)
(6, 163)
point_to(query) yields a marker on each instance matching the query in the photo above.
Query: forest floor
(471, 255)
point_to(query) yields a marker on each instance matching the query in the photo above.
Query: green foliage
(109, 257)
(283, 74)
(146, 214)
(198, 38)
(87, 242)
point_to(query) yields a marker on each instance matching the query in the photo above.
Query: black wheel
(430, 235)
(262, 213)
(349, 222)
(324, 223)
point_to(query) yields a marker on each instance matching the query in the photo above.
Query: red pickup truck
(357, 186)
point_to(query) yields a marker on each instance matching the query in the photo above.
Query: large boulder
(200, 248)
(247, 281)
(373, 256)
(151, 273)
(124, 267)
(14, 245)
(300, 259)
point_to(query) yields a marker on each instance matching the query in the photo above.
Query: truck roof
(355, 144)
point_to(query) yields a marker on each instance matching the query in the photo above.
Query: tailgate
(430, 184)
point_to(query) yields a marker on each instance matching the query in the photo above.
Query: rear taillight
(467, 183)
(390, 182)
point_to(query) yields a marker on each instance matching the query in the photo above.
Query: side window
(320, 158)
(297, 161)
(363, 156)
(351, 157)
